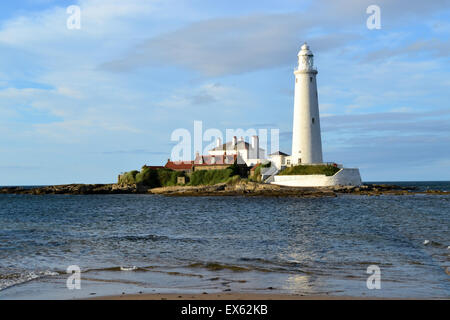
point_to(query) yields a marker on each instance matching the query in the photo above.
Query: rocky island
(240, 188)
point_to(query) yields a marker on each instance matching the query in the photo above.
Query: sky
(83, 105)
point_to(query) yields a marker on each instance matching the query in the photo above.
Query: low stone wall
(344, 177)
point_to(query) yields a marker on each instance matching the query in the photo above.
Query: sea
(392, 246)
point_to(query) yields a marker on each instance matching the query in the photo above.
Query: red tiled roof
(179, 165)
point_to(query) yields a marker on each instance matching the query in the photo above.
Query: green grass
(210, 177)
(148, 177)
(128, 177)
(234, 180)
(163, 177)
(152, 178)
(169, 177)
(327, 170)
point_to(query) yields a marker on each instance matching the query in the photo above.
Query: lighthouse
(306, 139)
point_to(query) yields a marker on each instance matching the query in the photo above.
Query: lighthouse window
(296, 80)
(313, 120)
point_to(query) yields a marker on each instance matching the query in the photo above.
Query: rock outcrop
(246, 188)
(241, 188)
(81, 189)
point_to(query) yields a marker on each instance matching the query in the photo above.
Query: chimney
(196, 159)
(255, 148)
(218, 142)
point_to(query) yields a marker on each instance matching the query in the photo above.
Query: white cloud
(235, 45)
(208, 94)
(101, 20)
(230, 45)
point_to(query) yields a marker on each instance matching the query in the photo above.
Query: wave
(436, 244)
(128, 268)
(153, 237)
(13, 279)
(148, 237)
(119, 269)
(215, 266)
(278, 265)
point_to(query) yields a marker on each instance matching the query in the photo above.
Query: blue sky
(81, 106)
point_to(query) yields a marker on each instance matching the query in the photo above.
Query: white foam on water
(132, 268)
(13, 279)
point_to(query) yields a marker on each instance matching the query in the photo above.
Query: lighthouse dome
(304, 50)
(306, 59)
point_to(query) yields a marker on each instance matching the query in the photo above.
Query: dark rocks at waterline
(373, 188)
(242, 188)
(76, 189)
(246, 188)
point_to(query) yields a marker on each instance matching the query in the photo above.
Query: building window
(313, 120)
(288, 161)
(299, 160)
(310, 79)
(296, 80)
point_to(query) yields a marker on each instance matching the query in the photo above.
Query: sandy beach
(231, 296)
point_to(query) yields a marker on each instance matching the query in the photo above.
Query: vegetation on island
(163, 177)
(256, 176)
(230, 175)
(328, 170)
(152, 178)
(210, 177)
(128, 177)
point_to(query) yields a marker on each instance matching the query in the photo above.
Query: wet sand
(230, 296)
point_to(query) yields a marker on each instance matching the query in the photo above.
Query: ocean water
(148, 243)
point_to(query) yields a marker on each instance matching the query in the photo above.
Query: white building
(251, 154)
(306, 138)
(280, 159)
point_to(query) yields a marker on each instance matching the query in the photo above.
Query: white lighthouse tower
(306, 139)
